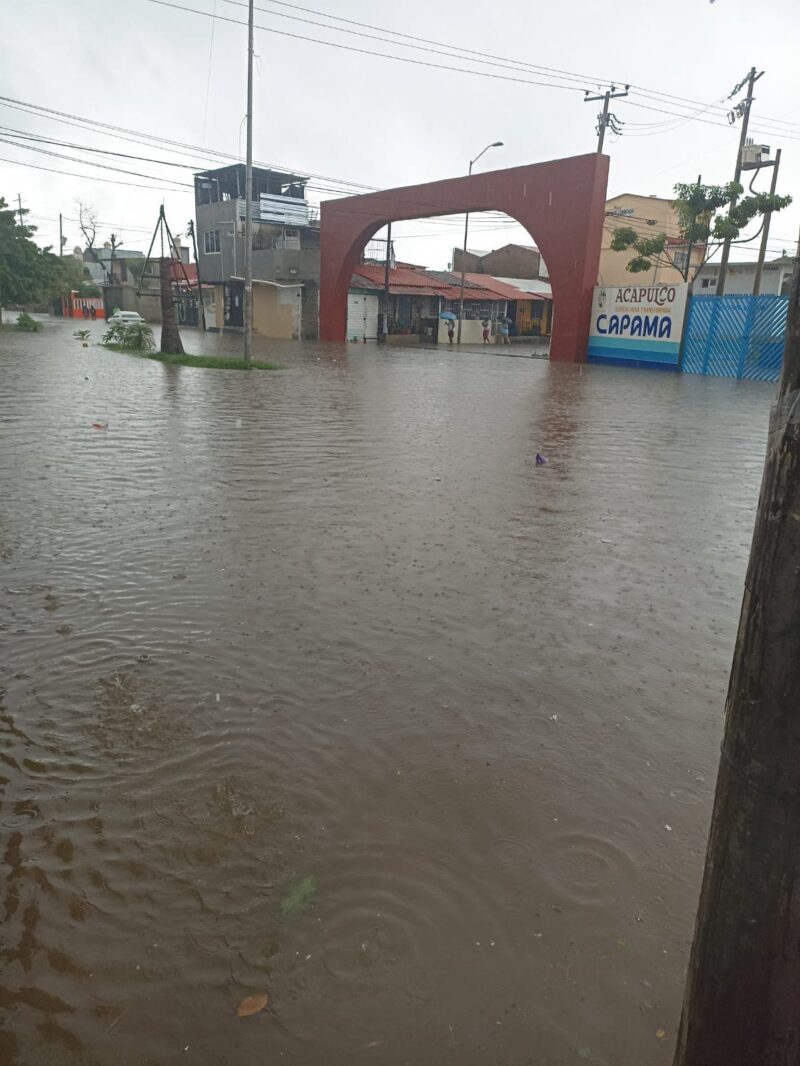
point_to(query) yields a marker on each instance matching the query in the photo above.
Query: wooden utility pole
(170, 335)
(742, 1001)
(751, 79)
(604, 120)
(19, 208)
(248, 192)
(762, 251)
(60, 234)
(171, 343)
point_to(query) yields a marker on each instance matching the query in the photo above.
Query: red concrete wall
(561, 203)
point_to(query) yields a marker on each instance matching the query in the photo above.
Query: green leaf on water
(299, 897)
(584, 1053)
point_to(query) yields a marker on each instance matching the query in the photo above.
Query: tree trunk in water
(170, 337)
(742, 1001)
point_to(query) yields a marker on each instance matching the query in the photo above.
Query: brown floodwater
(333, 622)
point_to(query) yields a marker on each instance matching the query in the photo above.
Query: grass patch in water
(209, 362)
(299, 897)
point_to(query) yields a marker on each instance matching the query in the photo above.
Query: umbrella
(448, 315)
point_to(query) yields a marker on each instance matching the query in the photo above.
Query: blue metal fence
(735, 336)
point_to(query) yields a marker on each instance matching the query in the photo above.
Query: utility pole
(60, 234)
(604, 119)
(114, 245)
(744, 110)
(170, 335)
(190, 231)
(762, 251)
(691, 239)
(19, 207)
(248, 192)
(741, 1000)
(386, 268)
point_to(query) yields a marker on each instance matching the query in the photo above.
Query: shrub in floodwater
(27, 324)
(299, 897)
(130, 337)
(82, 335)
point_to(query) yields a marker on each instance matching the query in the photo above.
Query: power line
(487, 58)
(366, 51)
(92, 163)
(21, 134)
(139, 137)
(110, 225)
(316, 186)
(72, 174)
(552, 84)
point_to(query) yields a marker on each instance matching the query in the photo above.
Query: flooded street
(334, 623)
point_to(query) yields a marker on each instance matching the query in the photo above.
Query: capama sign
(637, 324)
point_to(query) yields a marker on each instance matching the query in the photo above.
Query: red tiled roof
(410, 282)
(401, 279)
(180, 272)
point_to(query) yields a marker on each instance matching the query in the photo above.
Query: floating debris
(252, 1004)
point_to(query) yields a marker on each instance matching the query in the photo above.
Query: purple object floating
(540, 459)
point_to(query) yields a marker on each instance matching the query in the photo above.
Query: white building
(776, 278)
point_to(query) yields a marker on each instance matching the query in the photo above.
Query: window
(680, 260)
(709, 283)
(211, 241)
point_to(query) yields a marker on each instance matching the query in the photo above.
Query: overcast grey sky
(370, 120)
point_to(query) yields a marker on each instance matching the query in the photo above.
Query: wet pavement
(333, 622)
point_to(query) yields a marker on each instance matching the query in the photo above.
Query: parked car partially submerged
(126, 318)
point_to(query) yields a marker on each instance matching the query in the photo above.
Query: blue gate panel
(736, 336)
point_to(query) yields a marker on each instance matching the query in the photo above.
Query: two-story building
(648, 216)
(285, 250)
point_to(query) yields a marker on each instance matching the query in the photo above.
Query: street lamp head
(497, 144)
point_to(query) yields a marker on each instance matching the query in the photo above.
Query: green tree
(28, 273)
(705, 220)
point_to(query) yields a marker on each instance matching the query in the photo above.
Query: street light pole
(248, 205)
(495, 144)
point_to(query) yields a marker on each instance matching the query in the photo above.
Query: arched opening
(560, 203)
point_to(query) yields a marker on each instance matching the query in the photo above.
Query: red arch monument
(561, 203)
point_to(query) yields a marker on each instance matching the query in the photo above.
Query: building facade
(776, 278)
(510, 261)
(419, 298)
(648, 216)
(285, 250)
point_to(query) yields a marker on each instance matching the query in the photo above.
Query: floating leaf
(584, 1053)
(374, 1043)
(252, 1004)
(660, 1034)
(299, 897)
